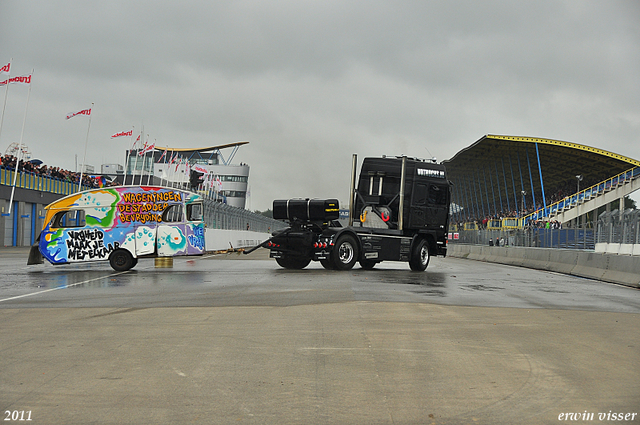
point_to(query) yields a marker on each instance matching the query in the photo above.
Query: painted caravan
(121, 224)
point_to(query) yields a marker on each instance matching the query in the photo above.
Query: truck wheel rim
(345, 253)
(424, 255)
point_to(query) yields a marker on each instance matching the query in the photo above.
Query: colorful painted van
(122, 224)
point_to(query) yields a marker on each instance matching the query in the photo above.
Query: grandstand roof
(490, 174)
(202, 150)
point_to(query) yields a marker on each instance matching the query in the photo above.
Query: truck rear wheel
(293, 263)
(420, 256)
(368, 264)
(327, 264)
(121, 260)
(345, 253)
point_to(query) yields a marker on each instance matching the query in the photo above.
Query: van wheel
(294, 263)
(420, 256)
(121, 260)
(345, 253)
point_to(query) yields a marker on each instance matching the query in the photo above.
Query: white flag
(123, 133)
(86, 112)
(5, 69)
(23, 79)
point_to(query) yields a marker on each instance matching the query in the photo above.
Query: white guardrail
(221, 240)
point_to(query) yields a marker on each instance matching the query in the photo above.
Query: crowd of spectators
(10, 162)
(561, 192)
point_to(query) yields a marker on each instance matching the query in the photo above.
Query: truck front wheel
(294, 263)
(419, 256)
(345, 253)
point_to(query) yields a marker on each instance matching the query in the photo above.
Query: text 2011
(17, 415)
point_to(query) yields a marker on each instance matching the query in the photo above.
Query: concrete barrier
(621, 269)
(626, 249)
(537, 259)
(562, 260)
(475, 253)
(591, 265)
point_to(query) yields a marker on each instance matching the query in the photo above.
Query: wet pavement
(220, 281)
(234, 339)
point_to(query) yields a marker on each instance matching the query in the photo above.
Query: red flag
(86, 112)
(123, 133)
(146, 148)
(5, 69)
(23, 79)
(136, 142)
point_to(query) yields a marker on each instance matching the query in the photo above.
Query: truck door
(172, 232)
(437, 205)
(417, 209)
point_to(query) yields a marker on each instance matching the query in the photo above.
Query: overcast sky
(308, 83)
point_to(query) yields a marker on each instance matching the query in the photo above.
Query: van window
(194, 212)
(173, 214)
(71, 218)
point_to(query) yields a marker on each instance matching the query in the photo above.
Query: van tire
(121, 260)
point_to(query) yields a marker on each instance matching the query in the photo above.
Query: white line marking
(60, 287)
(87, 281)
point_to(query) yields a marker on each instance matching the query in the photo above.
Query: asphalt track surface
(236, 339)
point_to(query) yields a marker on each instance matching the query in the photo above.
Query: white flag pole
(126, 157)
(166, 150)
(153, 157)
(86, 143)
(15, 176)
(144, 160)
(6, 93)
(135, 166)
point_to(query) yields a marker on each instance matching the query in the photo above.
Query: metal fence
(612, 227)
(34, 181)
(619, 227)
(222, 216)
(533, 237)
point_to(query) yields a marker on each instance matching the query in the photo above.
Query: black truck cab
(398, 211)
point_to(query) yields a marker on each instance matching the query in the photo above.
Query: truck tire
(420, 256)
(345, 253)
(327, 264)
(293, 263)
(121, 260)
(368, 264)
